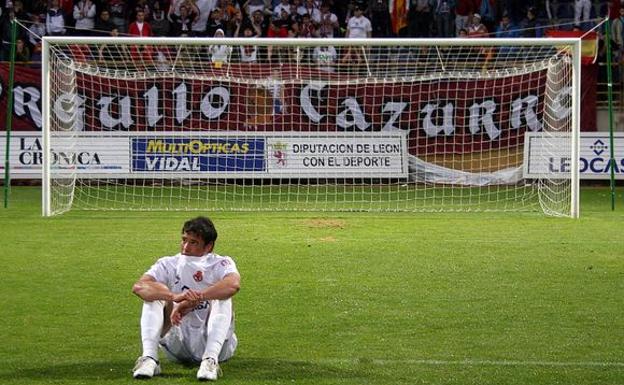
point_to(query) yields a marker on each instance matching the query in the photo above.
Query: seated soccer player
(187, 305)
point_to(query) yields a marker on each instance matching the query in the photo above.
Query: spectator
(140, 27)
(36, 29)
(463, 10)
(68, 9)
(307, 27)
(251, 6)
(487, 12)
(358, 27)
(614, 9)
(581, 11)
(259, 23)
(35, 56)
(530, 26)
(142, 5)
(284, 17)
(248, 53)
(515, 9)
(234, 22)
(174, 6)
(219, 54)
(22, 52)
(215, 22)
(160, 23)
(506, 28)
(181, 24)
(419, 17)
(204, 8)
(294, 6)
(191, 9)
(617, 34)
(475, 27)
(229, 8)
(118, 11)
(379, 15)
(18, 10)
(283, 5)
(38, 7)
(277, 29)
(294, 30)
(84, 14)
(325, 57)
(444, 13)
(329, 26)
(104, 24)
(310, 8)
(55, 20)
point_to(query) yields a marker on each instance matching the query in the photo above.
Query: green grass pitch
(328, 298)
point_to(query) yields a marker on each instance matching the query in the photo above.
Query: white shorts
(180, 348)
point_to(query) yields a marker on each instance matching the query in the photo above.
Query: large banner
(440, 116)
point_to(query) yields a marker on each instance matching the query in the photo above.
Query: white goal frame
(574, 45)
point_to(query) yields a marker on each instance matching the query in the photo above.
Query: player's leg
(152, 327)
(218, 326)
(228, 349)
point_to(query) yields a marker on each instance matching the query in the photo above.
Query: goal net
(311, 124)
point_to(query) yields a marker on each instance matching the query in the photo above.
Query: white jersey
(359, 27)
(182, 272)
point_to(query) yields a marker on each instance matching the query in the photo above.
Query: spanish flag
(398, 14)
(589, 43)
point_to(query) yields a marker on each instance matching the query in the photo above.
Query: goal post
(311, 124)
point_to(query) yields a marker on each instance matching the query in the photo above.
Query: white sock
(152, 318)
(217, 328)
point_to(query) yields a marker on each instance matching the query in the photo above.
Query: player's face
(192, 245)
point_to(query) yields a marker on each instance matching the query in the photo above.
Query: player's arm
(223, 289)
(148, 289)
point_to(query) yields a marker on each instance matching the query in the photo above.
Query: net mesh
(264, 124)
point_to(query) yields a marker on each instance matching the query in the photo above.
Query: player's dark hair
(202, 227)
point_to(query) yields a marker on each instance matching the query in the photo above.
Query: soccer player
(187, 306)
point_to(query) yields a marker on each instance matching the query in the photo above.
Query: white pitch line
(469, 362)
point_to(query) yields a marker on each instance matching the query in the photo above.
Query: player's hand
(180, 310)
(192, 295)
(187, 295)
(176, 315)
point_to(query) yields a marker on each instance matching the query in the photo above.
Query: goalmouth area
(406, 125)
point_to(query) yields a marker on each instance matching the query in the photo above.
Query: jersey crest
(198, 276)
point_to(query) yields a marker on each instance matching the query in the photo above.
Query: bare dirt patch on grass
(319, 223)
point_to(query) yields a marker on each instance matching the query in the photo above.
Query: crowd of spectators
(277, 18)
